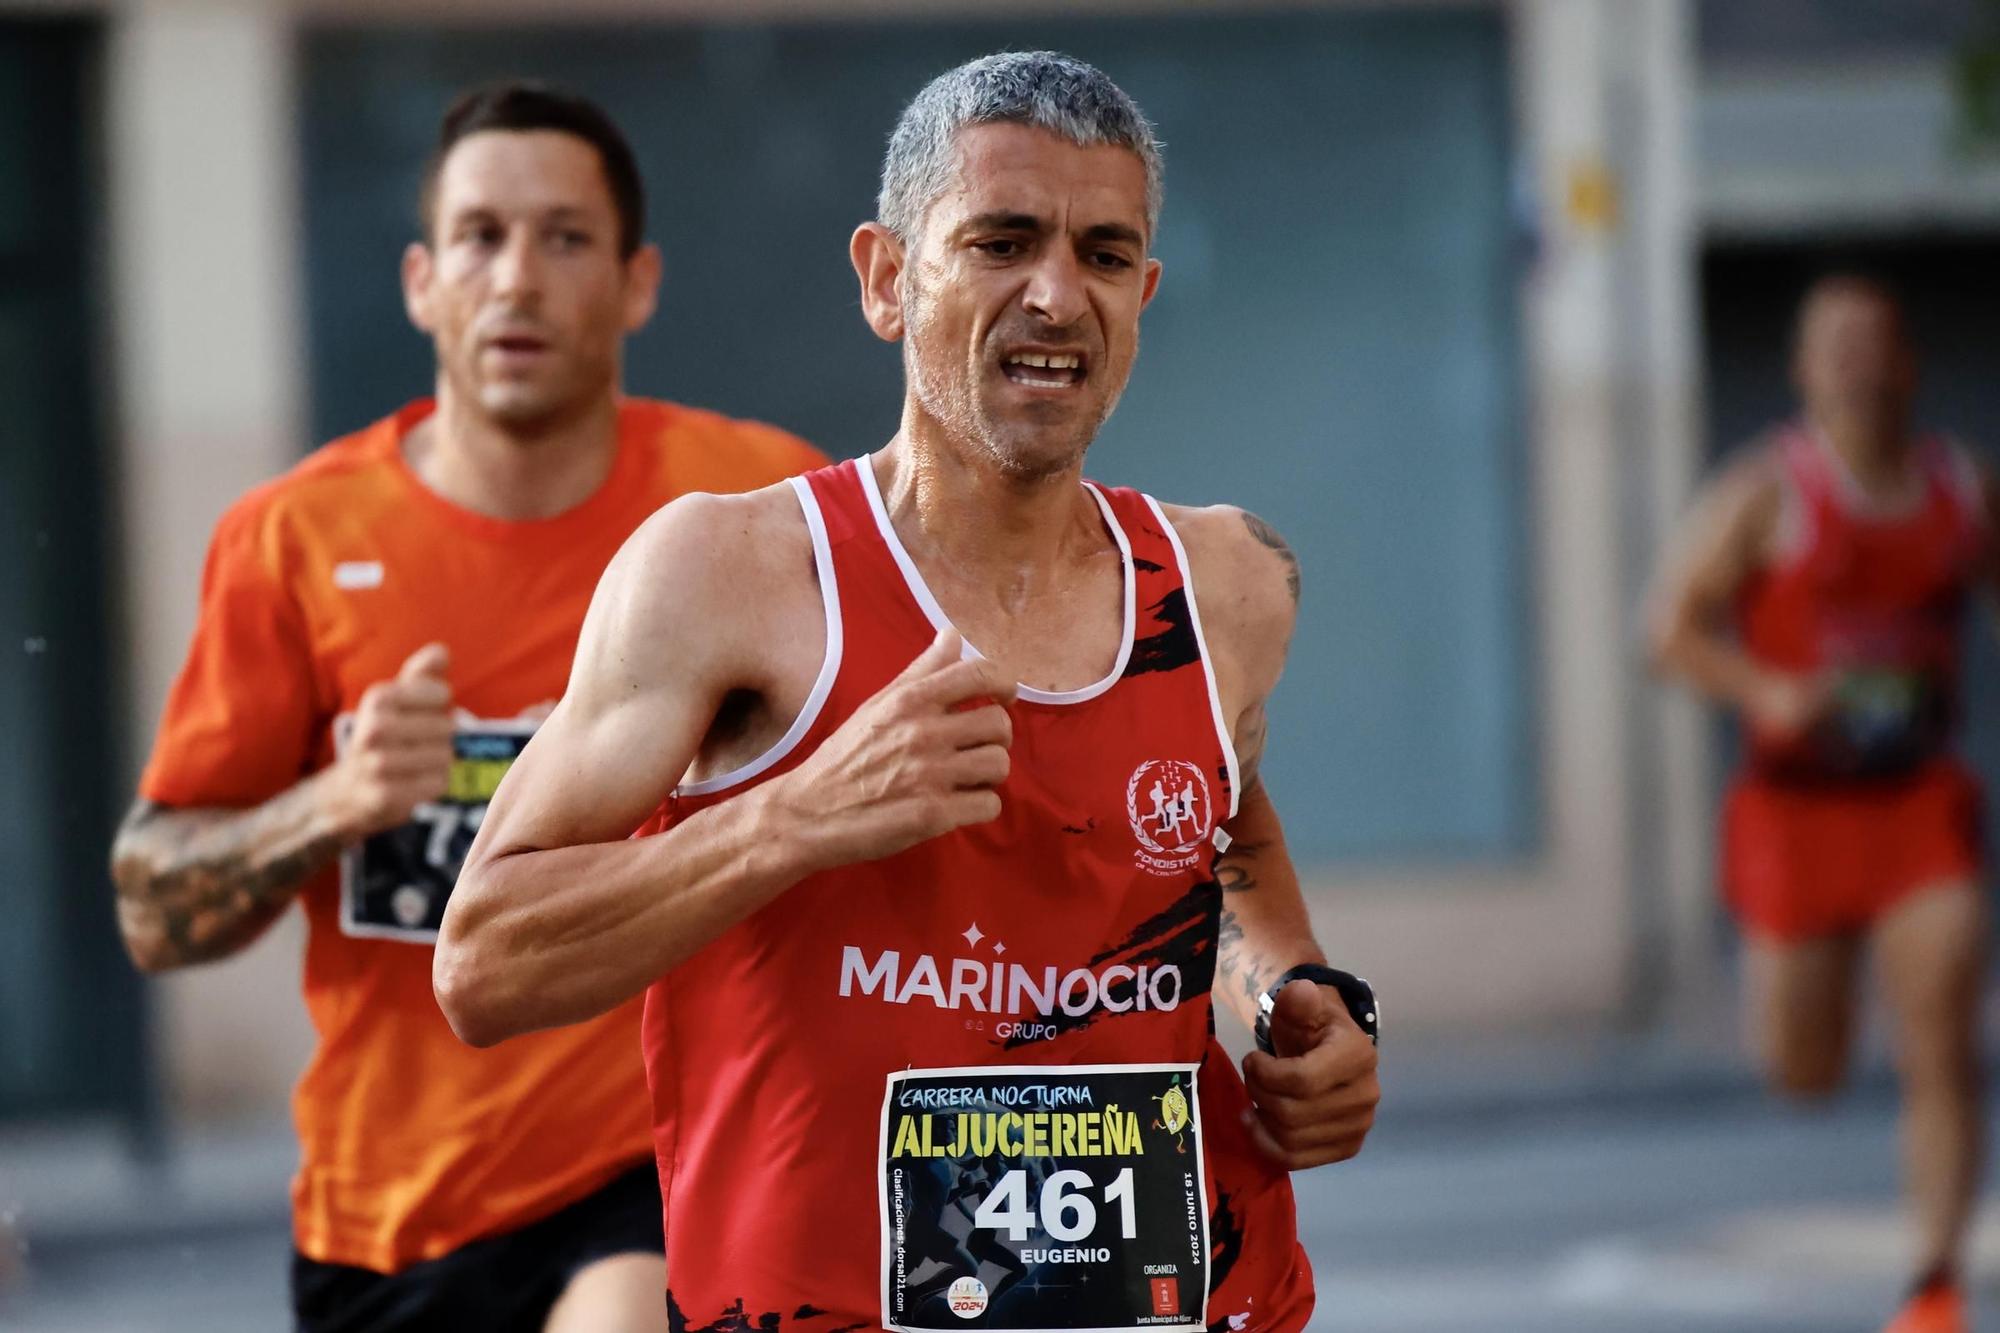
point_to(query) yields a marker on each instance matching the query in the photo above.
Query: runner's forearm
(1266, 929)
(538, 938)
(198, 884)
(1711, 663)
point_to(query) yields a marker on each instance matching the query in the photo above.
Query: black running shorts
(501, 1284)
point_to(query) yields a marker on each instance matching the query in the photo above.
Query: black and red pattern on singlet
(767, 1051)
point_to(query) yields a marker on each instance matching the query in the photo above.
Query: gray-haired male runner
(929, 934)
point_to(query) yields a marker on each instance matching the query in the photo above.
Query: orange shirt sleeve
(240, 720)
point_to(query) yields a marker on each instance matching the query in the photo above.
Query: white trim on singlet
(1201, 646)
(920, 590)
(1962, 475)
(1796, 529)
(1855, 500)
(829, 668)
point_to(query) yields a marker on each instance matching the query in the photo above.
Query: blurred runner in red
(1820, 588)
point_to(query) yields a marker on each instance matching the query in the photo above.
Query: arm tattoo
(1256, 727)
(198, 885)
(1231, 934)
(1236, 872)
(1264, 927)
(1268, 536)
(1231, 957)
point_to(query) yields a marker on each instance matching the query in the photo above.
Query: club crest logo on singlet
(1172, 815)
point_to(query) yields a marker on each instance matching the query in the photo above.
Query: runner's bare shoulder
(1739, 512)
(1984, 482)
(1246, 583)
(705, 592)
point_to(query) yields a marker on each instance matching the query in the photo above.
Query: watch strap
(1355, 993)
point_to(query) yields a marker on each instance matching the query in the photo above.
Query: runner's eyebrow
(1003, 220)
(1114, 231)
(1006, 220)
(480, 210)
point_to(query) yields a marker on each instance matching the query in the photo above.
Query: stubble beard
(1019, 450)
(531, 411)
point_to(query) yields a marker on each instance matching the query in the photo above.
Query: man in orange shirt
(380, 631)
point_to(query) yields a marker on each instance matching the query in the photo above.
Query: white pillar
(1611, 102)
(1573, 322)
(1676, 873)
(207, 332)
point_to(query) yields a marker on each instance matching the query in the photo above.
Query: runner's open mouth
(1045, 370)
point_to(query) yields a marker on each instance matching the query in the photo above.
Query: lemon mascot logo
(1174, 1114)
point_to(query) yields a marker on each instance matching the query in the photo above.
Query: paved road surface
(1714, 1215)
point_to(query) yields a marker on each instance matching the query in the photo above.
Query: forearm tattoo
(1238, 964)
(197, 885)
(1229, 948)
(1236, 870)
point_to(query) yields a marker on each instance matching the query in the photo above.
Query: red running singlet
(1876, 598)
(1824, 833)
(834, 1152)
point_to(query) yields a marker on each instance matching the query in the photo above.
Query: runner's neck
(1014, 538)
(1879, 459)
(475, 463)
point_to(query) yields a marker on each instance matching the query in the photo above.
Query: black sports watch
(1356, 994)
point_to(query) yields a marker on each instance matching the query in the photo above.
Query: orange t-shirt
(318, 585)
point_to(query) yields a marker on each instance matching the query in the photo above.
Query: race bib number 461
(395, 884)
(1043, 1197)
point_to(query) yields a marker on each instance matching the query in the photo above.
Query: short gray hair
(1045, 89)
